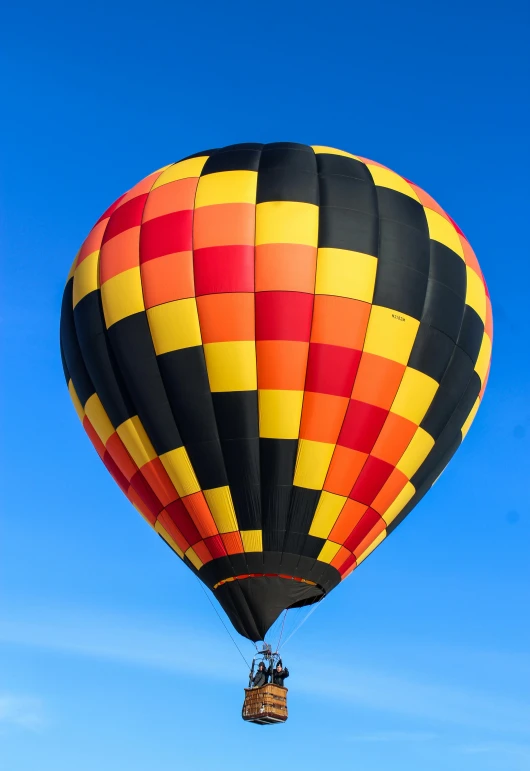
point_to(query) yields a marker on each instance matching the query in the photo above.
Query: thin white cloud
(393, 736)
(407, 696)
(497, 748)
(113, 638)
(186, 651)
(505, 754)
(20, 711)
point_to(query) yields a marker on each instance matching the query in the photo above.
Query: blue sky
(112, 657)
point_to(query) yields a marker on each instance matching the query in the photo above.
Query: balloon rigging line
(222, 622)
(281, 630)
(302, 622)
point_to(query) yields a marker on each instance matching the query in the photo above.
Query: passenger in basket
(279, 674)
(260, 678)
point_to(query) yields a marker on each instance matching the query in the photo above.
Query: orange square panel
(167, 278)
(340, 557)
(394, 438)
(339, 321)
(389, 492)
(322, 417)
(119, 254)
(345, 467)
(93, 241)
(202, 552)
(200, 513)
(226, 317)
(347, 519)
(158, 480)
(166, 199)
(225, 224)
(281, 364)
(377, 380)
(232, 541)
(286, 267)
(121, 457)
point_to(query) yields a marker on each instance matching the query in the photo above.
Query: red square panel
(166, 235)
(348, 563)
(168, 524)
(216, 546)
(362, 425)
(116, 474)
(331, 369)
(138, 503)
(106, 214)
(119, 453)
(127, 216)
(284, 316)
(221, 269)
(371, 479)
(365, 544)
(181, 518)
(202, 552)
(360, 531)
(139, 484)
(94, 438)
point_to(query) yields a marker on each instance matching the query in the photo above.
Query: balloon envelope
(275, 350)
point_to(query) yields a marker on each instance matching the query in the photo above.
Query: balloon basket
(265, 705)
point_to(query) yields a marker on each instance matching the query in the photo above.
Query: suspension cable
(281, 630)
(222, 622)
(302, 622)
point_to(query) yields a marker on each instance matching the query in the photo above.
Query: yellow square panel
(328, 510)
(440, 229)
(375, 543)
(484, 356)
(280, 413)
(470, 418)
(414, 396)
(135, 439)
(318, 149)
(252, 540)
(174, 325)
(189, 168)
(72, 268)
(219, 500)
(312, 463)
(227, 187)
(475, 293)
(231, 366)
(75, 400)
(86, 278)
(399, 504)
(286, 222)
(328, 551)
(96, 414)
(386, 178)
(420, 446)
(180, 471)
(122, 296)
(193, 558)
(168, 539)
(390, 334)
(346, 274)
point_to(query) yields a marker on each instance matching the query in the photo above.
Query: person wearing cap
(278, 674)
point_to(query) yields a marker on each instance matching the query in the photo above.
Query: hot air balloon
(275, 350)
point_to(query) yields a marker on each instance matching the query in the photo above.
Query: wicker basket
(265, 705)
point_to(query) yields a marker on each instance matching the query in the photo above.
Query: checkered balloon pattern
(275, 350)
